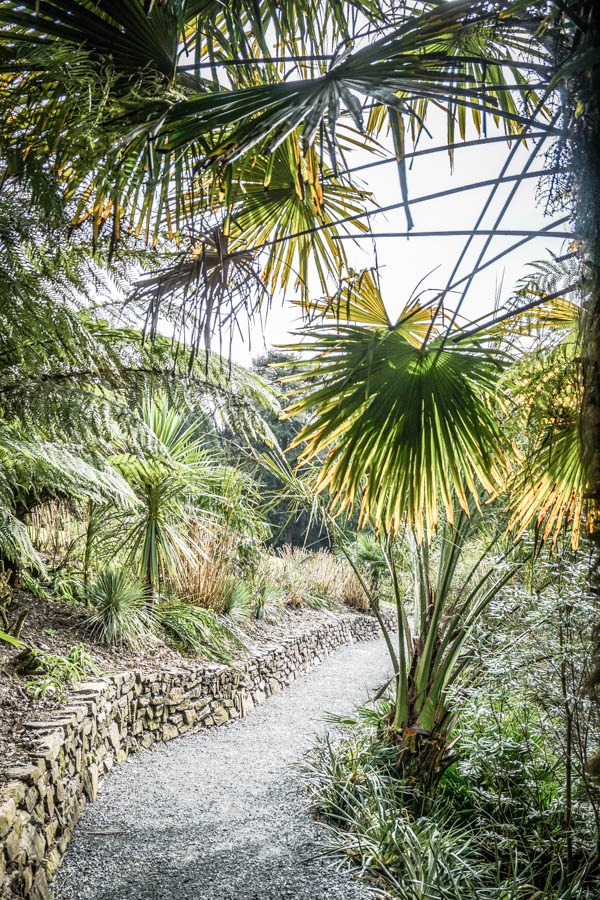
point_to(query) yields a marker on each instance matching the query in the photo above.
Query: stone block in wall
(11, 844)
(90, 782)
(40, 889)
(168, 732)
(8, 811)
(114, 737)
(220, 715)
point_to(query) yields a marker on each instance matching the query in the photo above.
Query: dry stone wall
(108, 719)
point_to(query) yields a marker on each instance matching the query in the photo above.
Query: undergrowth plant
(516, 813)
(268, 604)
(238, 601)
(319, 578)
(51, 674)
(195, 630)
(119, 613)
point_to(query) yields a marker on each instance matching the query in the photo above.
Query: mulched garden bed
(56, 626)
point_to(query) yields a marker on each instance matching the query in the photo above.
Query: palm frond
(548, 490)
(420, 62)
(401, 428)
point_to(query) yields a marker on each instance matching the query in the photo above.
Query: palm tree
(406, 422)
(179, 484)
(404, 417)
(176, 122)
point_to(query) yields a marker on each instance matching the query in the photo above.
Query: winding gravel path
(220, 815)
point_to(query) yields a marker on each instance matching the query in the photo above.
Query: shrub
(49, 674)
(238, 602)
(319, 579)
(496, 828)
(268, 603)
(119, 612)
(207, 580)
(195, 630)
(67, 585)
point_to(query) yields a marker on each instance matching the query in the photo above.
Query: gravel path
(220, 815)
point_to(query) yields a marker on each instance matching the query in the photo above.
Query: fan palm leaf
(422, 61)
(116, 29)
(400, 426)
(283, 205)
(105, 92)
(547, 489)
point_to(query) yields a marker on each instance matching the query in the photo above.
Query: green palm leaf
(119, 30)
(402, 428)
(282, 204)
(547, 489)
(422, 61)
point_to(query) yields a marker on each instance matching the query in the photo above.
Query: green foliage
(496, 830)
(519, 798)
(354, 784)
(67, 585)
(119, 612)
(183, 492)
(238, 602)
(424, 50)
(386, 425)
(368, 555)
(51, 675)
(195, 630)
(288, 527)
(267, 603)
(11, 639)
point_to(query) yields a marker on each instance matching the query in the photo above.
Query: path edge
(108, 718)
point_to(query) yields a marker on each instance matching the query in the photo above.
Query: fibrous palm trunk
(583, 90)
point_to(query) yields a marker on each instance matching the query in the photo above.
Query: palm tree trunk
(584, 97)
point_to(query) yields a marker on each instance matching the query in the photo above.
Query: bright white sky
(404, 262)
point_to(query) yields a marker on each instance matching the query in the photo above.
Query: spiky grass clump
(354, 785)
(238, 602)
(119, 612)
(195, 630)
(268, 604)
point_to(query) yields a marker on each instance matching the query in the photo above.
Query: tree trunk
(584, 95)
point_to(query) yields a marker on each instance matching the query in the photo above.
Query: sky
(404, 262)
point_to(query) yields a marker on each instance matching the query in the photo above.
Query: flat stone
(220, 715)
(114, 736)
(50, 746)
(90, 782)
(52, 862)
(28, 774)
(40, 890)
(8, 811)
(12, 843)
(31, 798)
(169, 732)
(86, 693)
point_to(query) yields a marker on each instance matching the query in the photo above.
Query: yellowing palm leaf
(549, 489)
(358, 300)
(279, 203)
